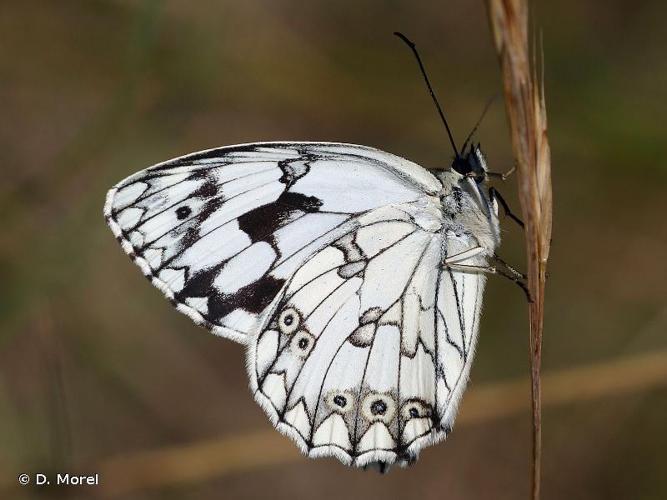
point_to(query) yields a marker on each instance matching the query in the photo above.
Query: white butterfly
(353, 277)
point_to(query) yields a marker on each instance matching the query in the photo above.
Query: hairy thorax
(469, 211)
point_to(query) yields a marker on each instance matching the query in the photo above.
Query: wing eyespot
(415, 408)
(289, 320)
(340, 401)
(302, 343)
(378, 408)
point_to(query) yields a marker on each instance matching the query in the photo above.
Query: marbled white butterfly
(353, 276)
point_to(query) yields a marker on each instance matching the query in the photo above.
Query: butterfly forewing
(219, 232)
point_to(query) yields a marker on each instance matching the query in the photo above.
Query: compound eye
(289, 320)
(462, 166)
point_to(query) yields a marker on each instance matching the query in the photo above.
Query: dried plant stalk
(526, 109)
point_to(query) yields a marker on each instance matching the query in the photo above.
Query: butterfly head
(471, 164)
(467, 199)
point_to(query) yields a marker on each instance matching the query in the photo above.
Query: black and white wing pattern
(219, 232)
(326, 260)
(368, 350)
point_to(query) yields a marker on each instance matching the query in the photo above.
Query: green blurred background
(95, 364)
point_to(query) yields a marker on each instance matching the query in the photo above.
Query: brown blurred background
(96, 367)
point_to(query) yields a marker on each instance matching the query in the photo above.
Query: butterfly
(354, 278)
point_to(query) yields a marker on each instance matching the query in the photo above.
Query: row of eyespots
(302, 342)
(377, 407)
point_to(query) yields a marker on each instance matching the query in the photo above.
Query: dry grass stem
(524, 101)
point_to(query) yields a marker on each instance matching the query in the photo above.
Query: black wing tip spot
(183, 212)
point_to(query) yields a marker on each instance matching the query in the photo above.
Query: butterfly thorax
(469, 210)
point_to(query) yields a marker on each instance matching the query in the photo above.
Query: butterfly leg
(473, 252)
(495, 195)
(503, 176)
(511, 274)
(513, 271)
(465, 255)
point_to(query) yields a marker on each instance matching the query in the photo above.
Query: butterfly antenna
(474, 129)
(430, 89)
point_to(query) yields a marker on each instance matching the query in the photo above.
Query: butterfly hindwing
(356, 360)
(220, 232)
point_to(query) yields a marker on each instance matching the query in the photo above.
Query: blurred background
(99, 374)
